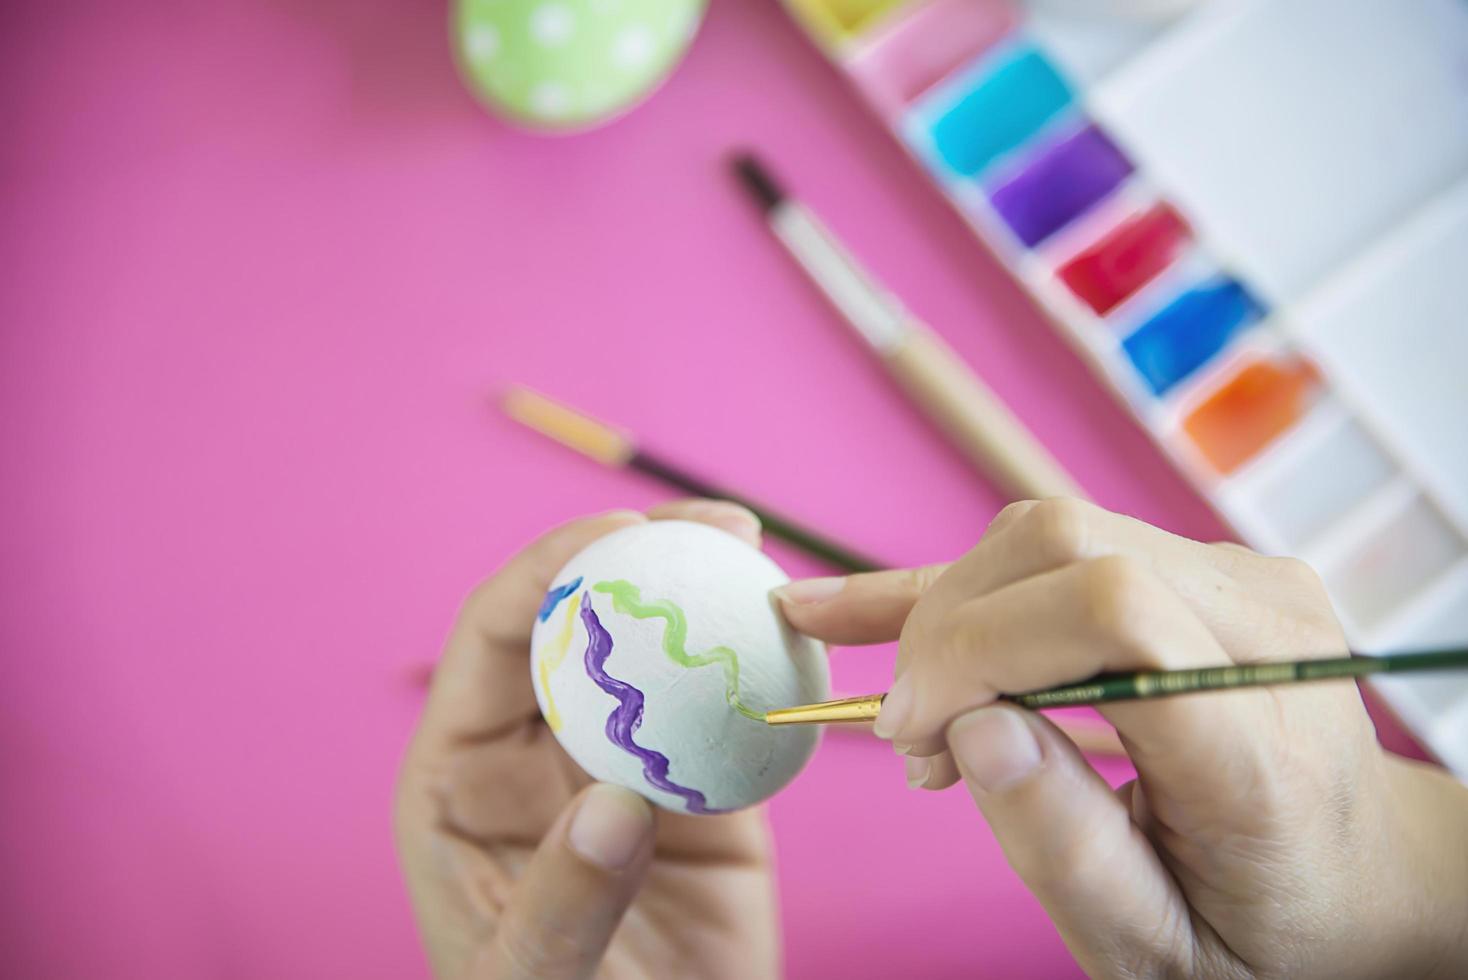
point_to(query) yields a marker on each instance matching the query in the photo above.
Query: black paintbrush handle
(1161, 683)
(811, 542)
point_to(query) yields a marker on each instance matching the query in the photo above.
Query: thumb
(579, 882)
(1073, 842)
(866, 608)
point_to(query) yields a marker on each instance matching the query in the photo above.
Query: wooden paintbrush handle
(975, 419)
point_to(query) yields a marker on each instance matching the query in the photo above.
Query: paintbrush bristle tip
(760, 183)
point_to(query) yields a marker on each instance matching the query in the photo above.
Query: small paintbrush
(613, 447)
(1104, 688)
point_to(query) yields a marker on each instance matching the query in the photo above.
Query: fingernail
(610, 826)
(896, 706)
(901, 748)
(622, 513)
(734, 518)
(995, 748)
(917, 771)
(811, 590)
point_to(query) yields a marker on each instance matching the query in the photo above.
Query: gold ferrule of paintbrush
(864, 708)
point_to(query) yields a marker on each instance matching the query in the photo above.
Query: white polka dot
(482, 42)
(632, 47)
(550, 100)
(552, 23)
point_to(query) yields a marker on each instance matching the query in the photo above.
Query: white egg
(656, 653)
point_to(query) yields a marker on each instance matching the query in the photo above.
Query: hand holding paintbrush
(1256, 812)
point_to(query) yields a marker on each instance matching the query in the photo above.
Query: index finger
(868, 607)
(1027, 538)
(871, 607)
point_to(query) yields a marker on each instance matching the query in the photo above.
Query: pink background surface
(263, 264)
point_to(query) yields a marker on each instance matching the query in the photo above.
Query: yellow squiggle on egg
(552, 658)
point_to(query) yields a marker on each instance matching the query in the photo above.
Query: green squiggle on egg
(627, 600)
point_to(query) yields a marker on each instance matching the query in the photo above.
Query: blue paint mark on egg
(555, 597)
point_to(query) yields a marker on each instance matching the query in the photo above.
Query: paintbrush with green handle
(1104, 688)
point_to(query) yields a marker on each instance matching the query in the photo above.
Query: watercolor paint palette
(1252, 220)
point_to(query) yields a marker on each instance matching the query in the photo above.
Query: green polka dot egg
(570, 64)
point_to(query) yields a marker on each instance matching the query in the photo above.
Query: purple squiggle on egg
(626, 718)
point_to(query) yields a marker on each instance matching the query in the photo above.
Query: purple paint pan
(1060, 184)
